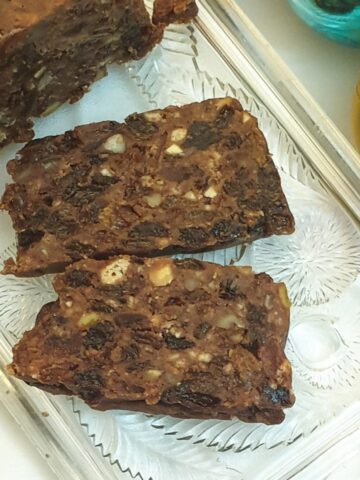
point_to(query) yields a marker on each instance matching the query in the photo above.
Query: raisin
(28, 237)
(256, 314)
(225, 230)
(147, 337)
(183, 395)
(135, 367)
(79, 250)
(174, 301)
(148, 229)
(233, 141)
(113, 291)
(253, 347)
(59, 320)
(224, 116)
(103, 180)
(95, 160)
(201, 135)
(97, 336)
(89, 384)
(232, 187)
(175, 343)
(60, 225)
(90, 377)
(78, 278)
(201, 330)
(278, 395)
(130, 319)
(229, 290)
(99, 306)
(82, 195)
(90, 213)
(189, 264)
(140, 126)
(48, 200)
(269, 178)
(257, 227)
(129, 352)
(235, 186)
(193, 236)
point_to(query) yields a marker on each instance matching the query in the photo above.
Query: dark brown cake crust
(52, 51)
(183, 179)
(184, 338)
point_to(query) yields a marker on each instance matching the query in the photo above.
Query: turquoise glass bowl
(342, 27)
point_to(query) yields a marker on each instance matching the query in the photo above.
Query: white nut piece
(161, 274)
(146, 181)
(153, 200)
(152, 374)
(205, 357)
(210, 192)
(178, 134)
(237, 337)
(106, 173)
(174, 150)
(227, 321)
(228, 368)
(115, 144)
(154, 116)
(246, 117)
(162, 242)
(191, 284)
(88, 319)
(176, 332)
(190, 195)
(114, 271)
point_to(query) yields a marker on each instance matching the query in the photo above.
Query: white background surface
(330, 72)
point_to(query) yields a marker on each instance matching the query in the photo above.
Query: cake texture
(179, 337)
(183, 179)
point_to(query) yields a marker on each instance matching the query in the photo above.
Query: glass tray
(221, 54)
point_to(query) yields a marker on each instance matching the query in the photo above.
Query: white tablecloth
(330, 72)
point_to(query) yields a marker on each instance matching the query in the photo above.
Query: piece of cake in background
(174, 11)
(179, 180)
(336, 19)
(52, 51)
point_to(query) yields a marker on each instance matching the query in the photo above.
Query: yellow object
(356, 116)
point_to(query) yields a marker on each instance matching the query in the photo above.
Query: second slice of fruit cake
(182, 179)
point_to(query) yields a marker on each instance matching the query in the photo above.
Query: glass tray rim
(216, 19)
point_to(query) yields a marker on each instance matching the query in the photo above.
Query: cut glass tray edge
(72, 464)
